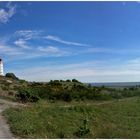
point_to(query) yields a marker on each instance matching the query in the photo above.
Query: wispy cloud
(101, 71)
(5, 15)
(57, 39)
(24, 36)
(31, 44)
(52, 51)
(49, 49)
(28, 34)
(21, 43)
(23, 49)
(5, 49)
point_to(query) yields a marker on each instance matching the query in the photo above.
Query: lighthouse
(1, 68)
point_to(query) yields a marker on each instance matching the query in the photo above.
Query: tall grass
(118, 119)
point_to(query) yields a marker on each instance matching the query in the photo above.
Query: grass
(8, 98)
(116, 119)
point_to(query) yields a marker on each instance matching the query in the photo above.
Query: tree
(11, 75)
(68, 80)
(74, 80)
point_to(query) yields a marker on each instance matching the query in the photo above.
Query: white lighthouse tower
(1, 68)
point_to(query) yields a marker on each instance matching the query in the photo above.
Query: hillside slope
(10, 86)
(116, 119)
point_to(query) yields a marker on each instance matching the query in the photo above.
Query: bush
(11, 75)
(74, 80)
(83, 130)
(27, 95)
(56, 90)
(66, 96)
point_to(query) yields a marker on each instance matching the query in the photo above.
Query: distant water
(117, 84)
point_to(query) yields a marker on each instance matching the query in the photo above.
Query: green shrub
(62, 90)
(66, 96)
(68, 80)
(11, 75)
(74, 80)
(27, 95)
(83, 129)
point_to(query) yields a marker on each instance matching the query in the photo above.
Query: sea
(116, 84)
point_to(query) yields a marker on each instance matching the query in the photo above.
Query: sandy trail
(5, 132)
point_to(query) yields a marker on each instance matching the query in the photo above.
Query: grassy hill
(23, 91)
(71, 109)
(9, 87)
(110, 119)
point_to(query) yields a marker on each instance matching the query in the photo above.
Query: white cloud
(4, 49)
(52, 51)
(28, 34)
(21, 43)
(89, 71)
(5, 15)
(109, 50)
(29, 52)
(49, 49)
(47, 73)
(57, 39)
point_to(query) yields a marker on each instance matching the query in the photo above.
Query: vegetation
(110, 119)
(9, 87)
(11, 75)
(71, 109)
(83, 129)
(69, 90)
(72, 90)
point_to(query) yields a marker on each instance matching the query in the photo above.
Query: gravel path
(4, 127)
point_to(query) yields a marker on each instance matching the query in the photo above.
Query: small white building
(1, 68)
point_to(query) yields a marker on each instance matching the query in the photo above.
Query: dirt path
(4, 127)
(99, 102)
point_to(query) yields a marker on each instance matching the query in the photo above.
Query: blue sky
(89, 41)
